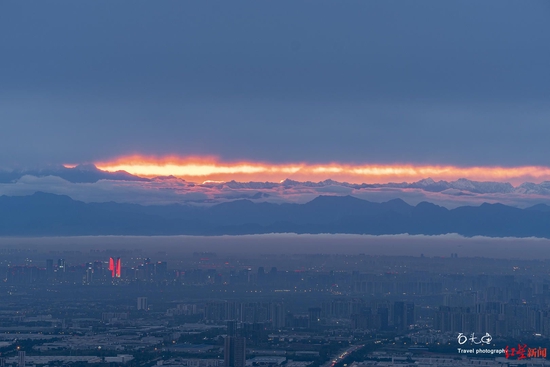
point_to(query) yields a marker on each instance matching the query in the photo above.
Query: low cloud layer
(386, 245)
(163, 191)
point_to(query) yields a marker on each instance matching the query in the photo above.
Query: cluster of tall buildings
(495, 318)
(247, 312)
(20, 361)
(88, 273)
(381, 315)
(142, 303)
(115, 267)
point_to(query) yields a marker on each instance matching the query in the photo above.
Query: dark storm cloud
(459, 83)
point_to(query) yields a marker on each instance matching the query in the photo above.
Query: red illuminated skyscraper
(115, 267)
(118, 267)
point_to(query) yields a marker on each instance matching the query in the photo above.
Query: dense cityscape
(144, 308)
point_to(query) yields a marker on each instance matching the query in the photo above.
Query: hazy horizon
(384, 245)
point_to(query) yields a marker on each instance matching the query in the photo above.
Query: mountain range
(43, 214)
(79, 174)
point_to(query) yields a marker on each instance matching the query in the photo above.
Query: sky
(421, 83)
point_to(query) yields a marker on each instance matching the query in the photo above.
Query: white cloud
(169, 191)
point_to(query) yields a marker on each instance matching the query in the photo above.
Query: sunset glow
(200, 169)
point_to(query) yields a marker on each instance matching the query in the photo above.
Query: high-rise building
(403, 315)
(161, 269)
(148, 269)
(115, 266)
(383, 317)
(61, 268)
(399, 315)
(142, 303)
(314, 317)
(98, 267)
(89, 273)
(21, 359)
(410, 316)
(261, 275)
(232, 328)
(49, 266)
(234, 351)
(278, 315)
(118, 268)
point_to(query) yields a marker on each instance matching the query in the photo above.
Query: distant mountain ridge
(44, 214)
(84, 173)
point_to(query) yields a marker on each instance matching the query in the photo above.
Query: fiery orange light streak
(201, 169)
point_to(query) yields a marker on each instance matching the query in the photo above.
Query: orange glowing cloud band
(200, 169)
